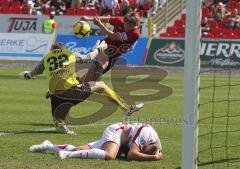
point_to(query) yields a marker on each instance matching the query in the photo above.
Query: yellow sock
(113, 95)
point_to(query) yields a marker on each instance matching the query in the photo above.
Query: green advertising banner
(218, 53)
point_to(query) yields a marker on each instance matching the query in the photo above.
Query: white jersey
(111, 133)
(142, 134)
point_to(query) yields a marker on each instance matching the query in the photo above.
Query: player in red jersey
(119, 40)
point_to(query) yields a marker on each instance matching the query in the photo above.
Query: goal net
(219, 116)
(211, 131)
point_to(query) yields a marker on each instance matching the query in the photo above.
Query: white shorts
(111, 133)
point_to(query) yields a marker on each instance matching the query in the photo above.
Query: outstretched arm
(98, 48)
(114, 36)
(38, 69)
(99, 22)
(135, 154)
(104, 19)
(31, 74)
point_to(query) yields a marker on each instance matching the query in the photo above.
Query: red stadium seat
(178, 24)
(25, 10)
(233, 3)
(147, 7)
(5, 10)
(164, 35)
(221, 24)
(208, 36)
(217, 32)
(48, 11)
(140, 13)
(4, 3)
(181, 30)
(227, 33)
(205, 11)
(80, 11)
(183, 18)
(236, 32)
(171, 30)
(132, 3)
(181, 35)
(70, 11)
(15, 4)
(231, 7)
(91, 12)
(16, 10)
(213, 24)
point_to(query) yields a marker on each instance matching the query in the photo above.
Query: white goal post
(191, 84)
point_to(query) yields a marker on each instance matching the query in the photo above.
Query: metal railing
(166, 15)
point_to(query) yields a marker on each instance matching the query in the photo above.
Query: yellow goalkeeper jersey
(60, 69)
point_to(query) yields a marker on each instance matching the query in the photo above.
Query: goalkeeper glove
(26, 75)
(100, 46)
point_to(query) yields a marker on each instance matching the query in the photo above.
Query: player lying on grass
(64, 88)
(141, 141)
(120, 40)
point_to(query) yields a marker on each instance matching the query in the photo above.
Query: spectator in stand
(223, 1)
(58, 6)
(220, 12)
(108, 7)
(124, 7)
(67, 3)
(76, 3)
(123, 3)
(36, 7)
(234, 20)
(89, 3)
(205, 27)
(209, 3)
(125, 10)
(147, 4)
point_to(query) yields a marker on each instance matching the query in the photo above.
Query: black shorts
(71, 96)
(111, 63)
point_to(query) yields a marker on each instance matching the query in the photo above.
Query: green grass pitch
(26, 120)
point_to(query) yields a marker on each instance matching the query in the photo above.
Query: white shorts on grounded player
(112, 133)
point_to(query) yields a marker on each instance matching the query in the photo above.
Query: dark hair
(125, 10)
(58, 46)
(51, 16)
(132, 18)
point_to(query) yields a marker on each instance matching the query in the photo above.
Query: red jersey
(116, 47)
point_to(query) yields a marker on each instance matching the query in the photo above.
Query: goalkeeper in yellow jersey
(64, 88)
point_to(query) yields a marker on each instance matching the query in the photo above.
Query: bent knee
(100, 86)
(100, 83)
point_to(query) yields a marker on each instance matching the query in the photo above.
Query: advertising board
(27, 46)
